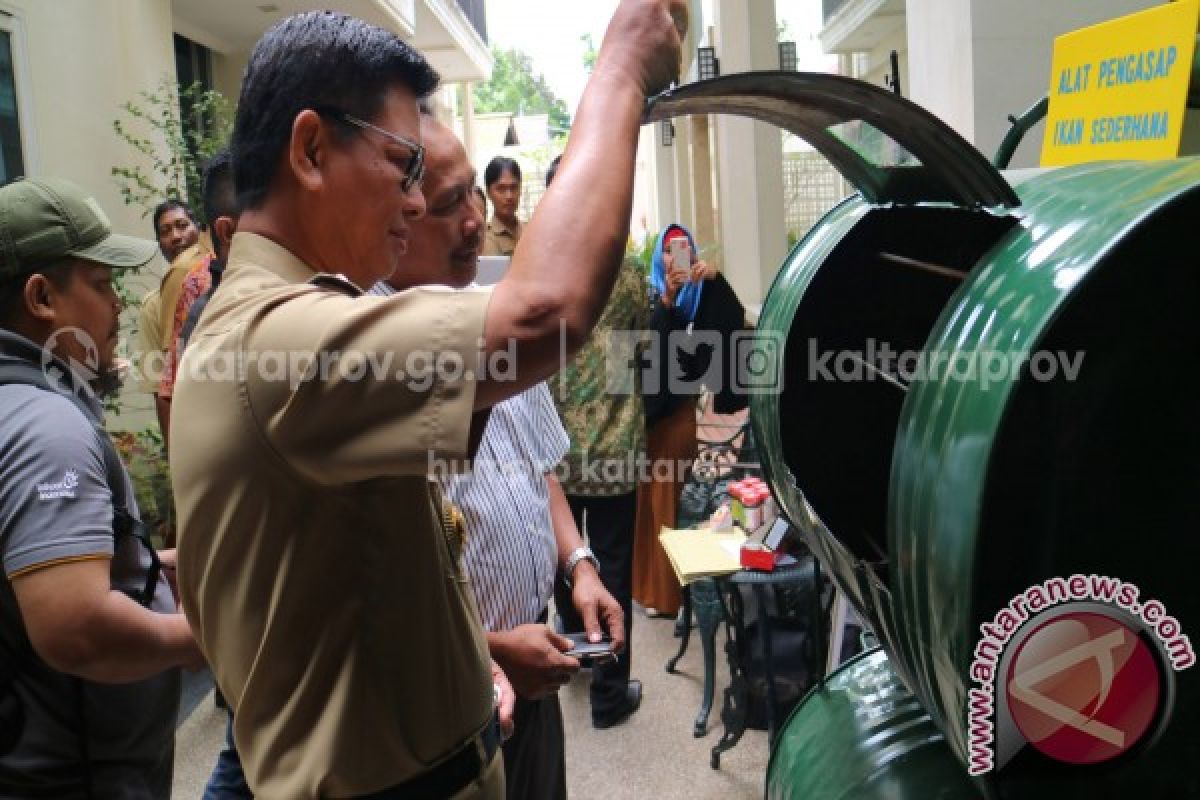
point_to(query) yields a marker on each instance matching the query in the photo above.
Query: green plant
(514, 86)
(641, 253)
(173, 130)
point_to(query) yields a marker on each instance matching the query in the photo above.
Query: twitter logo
(695, 362)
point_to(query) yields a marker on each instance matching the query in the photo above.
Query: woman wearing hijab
(686, 297)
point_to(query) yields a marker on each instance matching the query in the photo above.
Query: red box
(755, 556)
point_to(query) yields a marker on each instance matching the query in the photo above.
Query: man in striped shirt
(520, 531)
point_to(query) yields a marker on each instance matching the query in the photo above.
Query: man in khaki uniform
(317, 562)
(148, 356)
(502, 177)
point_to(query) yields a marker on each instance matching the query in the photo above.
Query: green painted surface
(924, 612)
(1070, 220)
(864, 736)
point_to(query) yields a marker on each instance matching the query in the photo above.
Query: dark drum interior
(887, 282)
(1101, 474)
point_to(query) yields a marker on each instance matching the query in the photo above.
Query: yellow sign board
(1118, 90)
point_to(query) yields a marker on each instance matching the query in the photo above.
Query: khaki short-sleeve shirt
(500, 240)
(149, 342)
(314, 563)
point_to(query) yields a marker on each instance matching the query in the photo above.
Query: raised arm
(565, 264)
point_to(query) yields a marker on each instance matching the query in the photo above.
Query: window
(193, 71)
(12, 153)
(873, 145)
(193, 63)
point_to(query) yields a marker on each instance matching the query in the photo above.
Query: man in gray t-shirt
(90, 639)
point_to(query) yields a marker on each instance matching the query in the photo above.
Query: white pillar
(702, 212)
(753, 238)
(666, 196)
(940, 55)
(468, 117)
(682, 189)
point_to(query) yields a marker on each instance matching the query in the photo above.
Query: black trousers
(535, 765)
(610, 523)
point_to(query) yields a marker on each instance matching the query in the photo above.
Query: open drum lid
(892, 150)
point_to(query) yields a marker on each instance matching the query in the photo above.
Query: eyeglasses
(414, 168)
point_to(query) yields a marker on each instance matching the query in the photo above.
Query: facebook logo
(631, 362)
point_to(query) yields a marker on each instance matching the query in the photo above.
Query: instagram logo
(758, 367)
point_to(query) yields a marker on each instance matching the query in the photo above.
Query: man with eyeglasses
(520, 532)
(341, 630)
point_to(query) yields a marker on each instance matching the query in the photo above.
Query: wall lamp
(708, 66)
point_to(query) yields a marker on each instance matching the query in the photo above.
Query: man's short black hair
(496, 169)
(220, 198)
(552, 170)
(167, 205)
(319, 59)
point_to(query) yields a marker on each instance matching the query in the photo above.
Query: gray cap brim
(119, 251)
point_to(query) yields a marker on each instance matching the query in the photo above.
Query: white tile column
(752, 235)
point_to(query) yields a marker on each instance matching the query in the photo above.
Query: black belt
(452, 774)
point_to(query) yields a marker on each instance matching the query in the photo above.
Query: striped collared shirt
(511, 554)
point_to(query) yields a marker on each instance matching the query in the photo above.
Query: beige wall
(84, 58)
(940, 55)
(227, 71)
(1013, 43)
(878, 63)
(974, 63)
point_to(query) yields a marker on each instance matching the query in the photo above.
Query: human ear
(223, 229)
(307, 148)
(39, 298)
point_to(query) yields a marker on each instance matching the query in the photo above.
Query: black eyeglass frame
(414, 170)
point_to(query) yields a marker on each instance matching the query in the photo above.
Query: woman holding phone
(688, 296)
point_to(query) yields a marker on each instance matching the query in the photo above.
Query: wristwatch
(577, 555)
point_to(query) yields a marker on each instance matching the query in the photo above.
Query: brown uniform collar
(260, 251)
(498, 228)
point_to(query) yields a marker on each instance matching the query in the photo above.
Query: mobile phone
(590, 653)
(680, 257)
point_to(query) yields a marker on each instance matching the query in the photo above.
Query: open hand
(702, 271)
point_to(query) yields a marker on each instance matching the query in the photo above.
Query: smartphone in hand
(590, 653)
(681, 258)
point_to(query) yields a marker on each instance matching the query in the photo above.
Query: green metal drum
(984, 393)
(864, 736)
